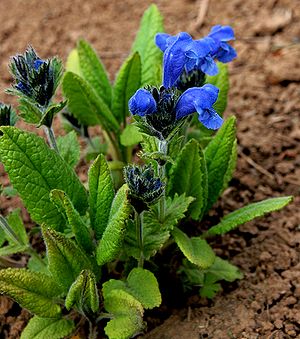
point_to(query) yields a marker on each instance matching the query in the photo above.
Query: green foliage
(79, 228)
(188, 176)
(111, 242)
(127, 83)
(84, 103)
(34, 170)
(222, 82)
(151, 56)
(72, 64)
(101, 195)
(29, 112)
(47, 328)
(220, 159)
(247, 213)
(130, 136)
(94, 72)
(128, 314)
(69, 148)
(34, 291)
(155, 231)
(83, 292)
(66, 259)
(196, 250)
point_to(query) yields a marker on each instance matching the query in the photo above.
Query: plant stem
(139, 235)
(162, 148)
(51, 138)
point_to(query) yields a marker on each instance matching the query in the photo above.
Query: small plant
(101, 263)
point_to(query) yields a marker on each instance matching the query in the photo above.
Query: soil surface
(265, 98)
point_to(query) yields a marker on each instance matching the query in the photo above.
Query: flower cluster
(144, 187)
(36, 79)
(185, 64)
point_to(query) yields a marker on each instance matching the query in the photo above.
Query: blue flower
(175, 58)
(200, 99)
(182, 54)
(221, 35)
(142, 103)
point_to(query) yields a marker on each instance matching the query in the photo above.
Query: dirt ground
(265, 97)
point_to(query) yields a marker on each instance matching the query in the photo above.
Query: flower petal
(209, 66)
(209, 118)
(222, 33)
(161, 40)
(175, 59)
(226, 55)
(142, 103)
(196, 98)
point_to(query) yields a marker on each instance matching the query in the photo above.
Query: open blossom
(182, 53)
(196, 99)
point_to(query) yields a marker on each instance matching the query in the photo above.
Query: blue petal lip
(196, 98)
(142, 103)
(161, 40)
(210, 118)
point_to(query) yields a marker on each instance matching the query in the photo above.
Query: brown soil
(265, 97)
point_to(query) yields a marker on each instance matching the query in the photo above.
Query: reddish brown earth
(265, 97)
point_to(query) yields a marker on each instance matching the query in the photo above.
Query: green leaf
(223, 270)
(83, 292)
(196, 250)
(12, 249)
(247, 213)
(130, 136)
(84, 103)
(34, 170)
(79, 228)
(36, 265)
(52, 110)
(221, 81)
(101, 196)
(155, 232)
(127, 83)
(210, 289)
(45, 328)
(128, 315)
(34, 291)
(111, 243)
(151, 56)
(144, 287)
(69, 148)
(220, 159)
(29, 112)
(16, 223)
(9, 191)
(72, 64)
(93, 71)
(66, 259)
(188, 175)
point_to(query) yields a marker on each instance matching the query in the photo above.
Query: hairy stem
(51, 138)
(139, 235)
(162, 148)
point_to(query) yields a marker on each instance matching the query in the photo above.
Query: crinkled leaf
(45, 328)
(220, 159)
(38, 265)
(189, 175)
(151, 56)
(69, 148)
(29, 112)
(130, 136)
(155, 232)
(34, 291)
(224, 270)
(111, 243)
(127, 312)
(127, 83)
(66, 259)
(52, 110)
(83, 292)
(196, 250)
(93, 71)
(210, 289)
(78, 226)
(221, 81)
(84, 103)
(101, 190)
(34, 170)
(247, 213)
